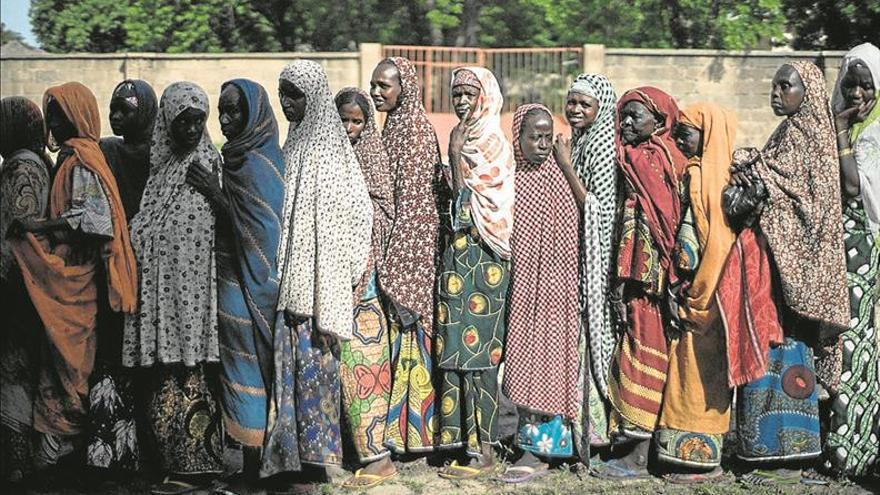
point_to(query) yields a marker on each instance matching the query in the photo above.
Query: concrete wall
(30, 76)
(737, 80)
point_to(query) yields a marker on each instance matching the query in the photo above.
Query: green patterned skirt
(854, 437)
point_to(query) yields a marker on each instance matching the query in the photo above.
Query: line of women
(624, 287)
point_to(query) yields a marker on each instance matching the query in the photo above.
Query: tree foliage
(830, 24)
(7, 35)
(273, 25)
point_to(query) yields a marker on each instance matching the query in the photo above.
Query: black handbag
(743, 204)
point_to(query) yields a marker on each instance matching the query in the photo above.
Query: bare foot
(489, 458)
(633, 465)
(525, 469)
(529, 459)
(471, 467)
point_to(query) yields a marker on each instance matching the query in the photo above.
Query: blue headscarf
(253, 182)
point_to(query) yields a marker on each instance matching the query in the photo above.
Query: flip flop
(613, 470)
(173, 487)
(372, 480)
(760, 477)
(694, 478)
(455, 471)
(528, 473)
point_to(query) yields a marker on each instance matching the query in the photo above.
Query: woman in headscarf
(472, 287)
(589, 162)
(407, 278)
(248, 227)
(81, 244)
(652, 167)
(365, 362)
(112, 441)
(854, 439)
(543, 330)
(802, 223)
(174, 332)
(696, 401)
(24, 196)
(133, 108)
(323, 254)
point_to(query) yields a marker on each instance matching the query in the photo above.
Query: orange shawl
(709, 174)
(65, 294)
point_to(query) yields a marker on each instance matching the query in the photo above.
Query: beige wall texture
(30, 76)
(737, 80)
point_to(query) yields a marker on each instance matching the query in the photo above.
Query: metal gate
(526, 75)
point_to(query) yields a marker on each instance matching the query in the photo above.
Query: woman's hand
(457, 139)
(562, 151)
(19, 227)
(618, 306)
(673, 301)
(326, 342)
(848, 116)
(203, 181)
(290, 318)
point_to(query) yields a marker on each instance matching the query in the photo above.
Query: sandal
(173, 487)
(760, 477)
(298, 489)
(371, 479)
(528, 473)
(614, 470)
(814, 477)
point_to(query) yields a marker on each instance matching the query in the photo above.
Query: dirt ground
(420, 478)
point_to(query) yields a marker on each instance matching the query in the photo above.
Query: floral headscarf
(490, 176)
(327, 221)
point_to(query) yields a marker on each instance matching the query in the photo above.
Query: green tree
(88, 25)
(7, 35)
(724, 24)
(833, 25)
(273, 25)
(151, 25)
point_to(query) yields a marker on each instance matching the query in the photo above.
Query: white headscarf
(327, 220)
(866, 146)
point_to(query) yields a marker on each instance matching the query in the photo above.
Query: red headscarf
(653, 169)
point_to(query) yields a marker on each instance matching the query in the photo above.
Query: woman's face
(536, 138)
(353, 120)
(637, 123)
(689, 140)
(464, 100)
(293, 101)
(858, 88)
(580, 110)
(787, 93)
(187, 129)
(59, 125)
(385, 87)
(123, 117)
(233, 113)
